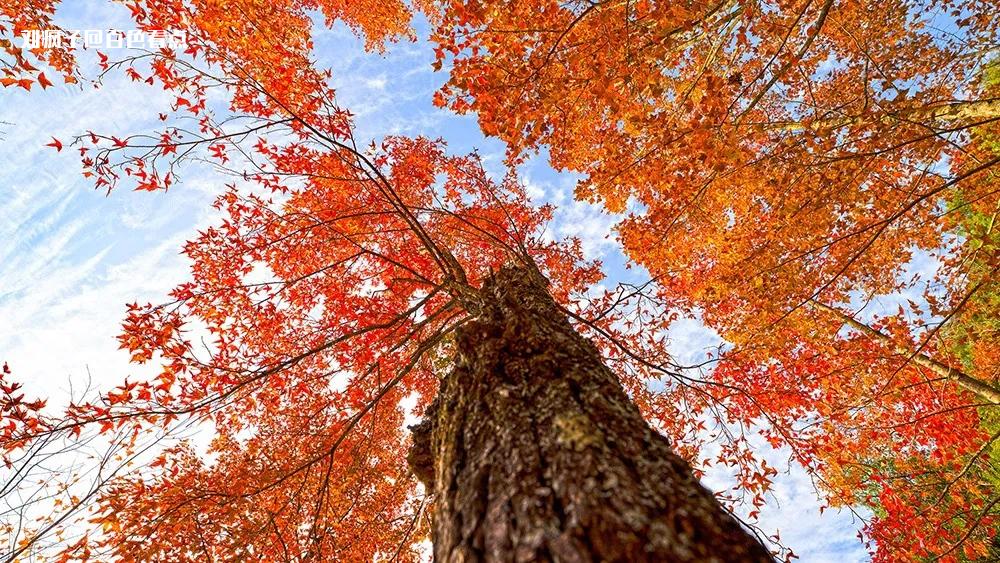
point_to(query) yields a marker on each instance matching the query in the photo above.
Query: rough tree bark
(535, 453)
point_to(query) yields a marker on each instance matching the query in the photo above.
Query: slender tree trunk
(535, 453)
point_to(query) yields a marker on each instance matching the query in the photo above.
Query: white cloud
(72, 257)
(793, 511)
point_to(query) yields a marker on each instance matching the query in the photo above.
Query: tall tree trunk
(535, 453)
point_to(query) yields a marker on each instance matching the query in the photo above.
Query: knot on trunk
(421, 455)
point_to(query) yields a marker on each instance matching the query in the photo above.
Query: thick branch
(975, 385)
(966, 111)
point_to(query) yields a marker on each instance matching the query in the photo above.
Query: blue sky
(71, 258)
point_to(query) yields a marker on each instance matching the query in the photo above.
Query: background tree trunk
(535, 453)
